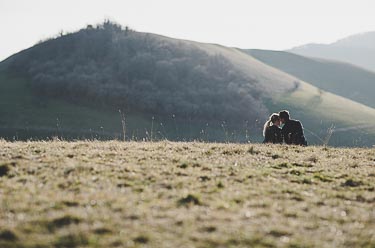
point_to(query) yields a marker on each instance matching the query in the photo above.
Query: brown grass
(165, 194)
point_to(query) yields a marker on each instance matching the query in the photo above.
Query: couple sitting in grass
(291, 131)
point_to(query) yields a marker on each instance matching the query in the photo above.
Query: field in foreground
(164, 194)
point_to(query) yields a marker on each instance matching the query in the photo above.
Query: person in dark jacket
(272, 131)
(292, 130)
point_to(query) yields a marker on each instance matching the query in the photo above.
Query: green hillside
(339, 78)
(73, 86)
(25, 115)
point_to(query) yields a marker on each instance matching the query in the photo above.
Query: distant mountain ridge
(357, 49)
(341, 78)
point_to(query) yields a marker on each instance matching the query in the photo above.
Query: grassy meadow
(166, 194)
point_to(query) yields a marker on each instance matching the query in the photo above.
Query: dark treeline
(114, 66)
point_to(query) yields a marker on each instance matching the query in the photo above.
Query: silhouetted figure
(271, 131)
(292, 130)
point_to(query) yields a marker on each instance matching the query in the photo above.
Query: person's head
(284, 116)
(274, 119)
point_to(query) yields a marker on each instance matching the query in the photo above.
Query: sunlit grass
(165, 194)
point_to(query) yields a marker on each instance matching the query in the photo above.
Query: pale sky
(263, 24)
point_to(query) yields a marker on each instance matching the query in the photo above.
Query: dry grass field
(165, 194)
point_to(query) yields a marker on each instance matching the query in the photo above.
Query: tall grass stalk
(329, 135)
(152, 128)
(123, 124)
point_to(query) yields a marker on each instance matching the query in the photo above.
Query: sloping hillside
(165, 88)
(356, 49)
(145, 72)
(339, 78)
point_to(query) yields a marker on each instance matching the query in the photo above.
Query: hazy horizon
(271, 24)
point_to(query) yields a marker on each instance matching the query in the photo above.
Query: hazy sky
(267, 24)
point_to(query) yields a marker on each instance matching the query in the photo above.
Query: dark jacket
(293, 134)
(273, 135)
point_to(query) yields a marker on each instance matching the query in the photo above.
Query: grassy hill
(164, 194)
(25, 116)
(74, 85)
(336, 77)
